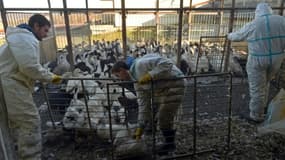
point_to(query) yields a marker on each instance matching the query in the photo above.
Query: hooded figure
(266, 43)
(19, 69)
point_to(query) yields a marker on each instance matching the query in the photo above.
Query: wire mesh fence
(205, 115)
(99, 121)
(214, 48)
(107, 25)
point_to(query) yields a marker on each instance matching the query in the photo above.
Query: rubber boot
(169, 143)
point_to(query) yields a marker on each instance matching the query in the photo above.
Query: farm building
(93, 113)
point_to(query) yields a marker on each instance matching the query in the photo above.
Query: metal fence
(98, 121)
(78, 27)
(215, 53)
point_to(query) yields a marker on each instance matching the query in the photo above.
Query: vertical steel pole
(48, 105)
(194, 115)
(52, 23)
(124, 30)
(110, 120)
(113, 4)
(86, 103)
(220, 18)
(180, 22)
(189, 20)
(281, 8)
(3, 15)
(68, 34)
(88, 23)
(153, 120)
(157, 20)
(230, 112)
(231, 23)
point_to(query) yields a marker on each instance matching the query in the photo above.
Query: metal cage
(206, 106)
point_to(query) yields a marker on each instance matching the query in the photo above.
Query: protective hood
(262, 9)
(18, 30)
(25, 26)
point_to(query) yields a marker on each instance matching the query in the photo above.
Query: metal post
(52, 23)
(126, 110)
(3, 15)
(124, 30)
(220, 17)
(199, 54)
(153, 120)
(86, 103)
(231, 23)
(224, 51)
(88, 22)
(113, 4)
(189, 19)
(194, 115)
(68, 34)
(48, 105)
(230, 112)
(110, 120)
(157, 20)
(281, 8)
(180, 21)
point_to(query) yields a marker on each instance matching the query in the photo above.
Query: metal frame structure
(194, 86)
(223, 51)
(123, 10)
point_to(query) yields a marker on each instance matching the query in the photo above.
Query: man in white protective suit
(19, 69)
(266, 42)
(165, 99)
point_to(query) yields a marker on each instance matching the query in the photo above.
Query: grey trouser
(167, 98)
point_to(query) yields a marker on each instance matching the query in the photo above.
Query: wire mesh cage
(97, 118)
(86, 113)
(211, 54)
(205, 115)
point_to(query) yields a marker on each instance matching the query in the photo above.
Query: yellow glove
(56, 79)
(145, 79)
(138, 133)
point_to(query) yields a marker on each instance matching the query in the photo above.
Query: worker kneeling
(166, 97)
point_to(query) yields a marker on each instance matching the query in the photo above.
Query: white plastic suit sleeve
(27, 57)
(242, 33)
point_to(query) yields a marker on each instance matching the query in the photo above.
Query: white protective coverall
(167, 94)
(266, 42)
(19, 68)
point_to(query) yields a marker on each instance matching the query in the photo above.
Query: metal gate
(211, 53)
